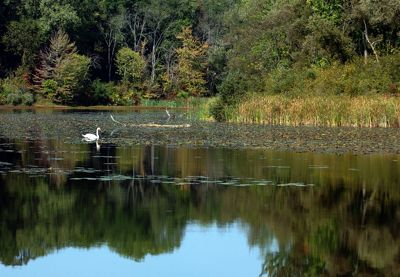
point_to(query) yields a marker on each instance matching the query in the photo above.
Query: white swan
(92, 137)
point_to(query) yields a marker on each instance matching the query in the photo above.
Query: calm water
(70, 208)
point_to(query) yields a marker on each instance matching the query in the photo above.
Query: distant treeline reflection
(346, 223)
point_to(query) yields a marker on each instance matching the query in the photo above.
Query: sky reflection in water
(205, 251)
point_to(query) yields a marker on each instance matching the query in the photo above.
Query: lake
(188, 200)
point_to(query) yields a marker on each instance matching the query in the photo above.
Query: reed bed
(360, 111)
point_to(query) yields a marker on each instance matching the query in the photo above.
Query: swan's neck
(97, 133)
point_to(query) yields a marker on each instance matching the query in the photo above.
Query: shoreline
(94, 108)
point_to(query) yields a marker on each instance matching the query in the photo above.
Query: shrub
(182, 94)
(14, 99)
(20, 98)
(124, 95)
(15, 89)
(27, 99)
(101, 93)
(49, 88)
(71, 78)
(130, 65)
(353, 79)
(231, 91)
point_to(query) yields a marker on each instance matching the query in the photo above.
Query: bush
(15, 89)
(27, 99)
(71, 77)
(125, 95)
(353, 79)
(182, 94)
(49, 88)
(231, 91)
(20, 98)
(130, 65)
(14, 99)
(101, 93)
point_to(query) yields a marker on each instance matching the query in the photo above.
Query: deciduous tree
(190, 69)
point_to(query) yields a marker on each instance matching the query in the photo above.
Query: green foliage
(14, 99)
(252, 39)
(71, 77)
(124, 95)
(16, 89)
(355, 78)
(49, 88)
(324, 44)
(62, 75)
(324, 239)
(51, 58)
(27, 99)
(130, 65)
(182, 94)
(331, 10)
(57, 14)
(312, 46)
(232, 90)
(23, 38)
(20, 98)
(101, 93)
(190, 79)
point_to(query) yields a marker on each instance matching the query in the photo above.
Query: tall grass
(360, 111)
(190, 102)
(198, 107)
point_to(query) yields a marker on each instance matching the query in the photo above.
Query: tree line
(102, 52)
(118, 52)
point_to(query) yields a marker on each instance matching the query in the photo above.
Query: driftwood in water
(153, 124)
(161, 125)
(112, 118)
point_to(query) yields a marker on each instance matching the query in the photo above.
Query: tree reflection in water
(138, 201)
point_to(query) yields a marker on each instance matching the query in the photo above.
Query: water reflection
(325, 214)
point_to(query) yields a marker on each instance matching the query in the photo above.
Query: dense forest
(119, 52)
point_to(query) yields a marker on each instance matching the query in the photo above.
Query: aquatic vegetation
(144, 127)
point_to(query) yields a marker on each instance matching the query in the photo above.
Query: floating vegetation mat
(187, 181)
(80, 174)
(138, 128)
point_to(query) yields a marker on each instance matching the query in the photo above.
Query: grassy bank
(360, 111)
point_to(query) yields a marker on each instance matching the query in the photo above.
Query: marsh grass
(198, 108)
(190, 102)
(360, 111)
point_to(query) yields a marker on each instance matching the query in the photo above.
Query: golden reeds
(360, 111)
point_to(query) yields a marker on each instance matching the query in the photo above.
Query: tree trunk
(109, 62)
(369, 42)
(153, 62)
